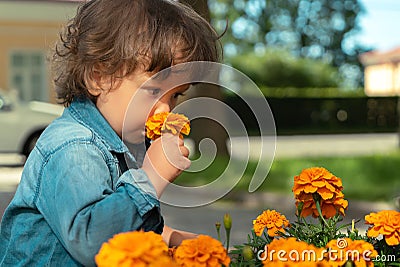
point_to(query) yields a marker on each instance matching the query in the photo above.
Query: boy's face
(128, 106)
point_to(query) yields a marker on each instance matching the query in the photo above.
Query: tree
(278, 68)
(317, 29)
(217, 134)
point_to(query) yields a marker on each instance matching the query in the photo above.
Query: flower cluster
(134, 249)
(386, 223)
(140, 248)
(274, 241)
(317, 186)
(202, 251)
(167, 122)
(272, 220)
(323, 242)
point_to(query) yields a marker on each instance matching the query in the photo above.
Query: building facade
(28, 31)
(382, 72)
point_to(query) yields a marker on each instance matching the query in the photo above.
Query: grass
(371, 178)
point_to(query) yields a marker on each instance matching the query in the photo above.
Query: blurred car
(22, 123)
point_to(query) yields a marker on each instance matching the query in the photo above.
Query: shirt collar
(84, 111)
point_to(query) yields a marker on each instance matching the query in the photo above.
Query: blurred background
(329, 69)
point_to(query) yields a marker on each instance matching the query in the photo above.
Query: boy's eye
(154, 91)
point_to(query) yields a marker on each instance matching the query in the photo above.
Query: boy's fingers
(184, 164)
(175, 151)
(180, 142)
(184, 151)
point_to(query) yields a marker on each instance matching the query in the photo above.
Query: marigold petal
(309, 189)
(328, 210)
(306, 212)
(373, 231)
(325, 193)
(330, 187)
(392, 239)
(318, 183)
(371, 218)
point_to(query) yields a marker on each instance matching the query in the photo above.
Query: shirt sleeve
(76, 197)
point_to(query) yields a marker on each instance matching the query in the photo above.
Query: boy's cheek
(133, 131)
(134, 137)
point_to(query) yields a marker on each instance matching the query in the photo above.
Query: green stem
(320, 213)
(218, 227)
(228, 235)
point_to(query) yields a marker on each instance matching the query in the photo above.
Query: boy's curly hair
(111, 38)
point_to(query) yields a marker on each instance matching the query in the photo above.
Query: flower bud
(227, 221)
(218, 225)
(247, 253)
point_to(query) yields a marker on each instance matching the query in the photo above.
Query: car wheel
(30, 143)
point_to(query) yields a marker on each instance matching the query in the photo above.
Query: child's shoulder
(69, 128)
(61, 132)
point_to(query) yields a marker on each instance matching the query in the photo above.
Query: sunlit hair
(112, 38)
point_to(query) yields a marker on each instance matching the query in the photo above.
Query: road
(321, 145)
(247, 206)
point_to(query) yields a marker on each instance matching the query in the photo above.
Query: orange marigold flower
(136, 248)
(360, 252)
(387, 223)
(202, 251)
(272, 220)
(318, 181)
(167, 122)
(288, 252)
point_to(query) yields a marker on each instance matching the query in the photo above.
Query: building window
(28, 75)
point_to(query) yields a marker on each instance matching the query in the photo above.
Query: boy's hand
(165, 160)
(175, 237)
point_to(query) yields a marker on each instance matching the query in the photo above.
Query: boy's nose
(162, 107)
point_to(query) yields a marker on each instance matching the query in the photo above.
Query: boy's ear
(96, 82)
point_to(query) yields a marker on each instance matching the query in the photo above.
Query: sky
(380, 24)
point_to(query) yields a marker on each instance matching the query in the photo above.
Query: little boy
(81, 184)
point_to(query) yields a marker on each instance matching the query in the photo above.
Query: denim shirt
(72, 196)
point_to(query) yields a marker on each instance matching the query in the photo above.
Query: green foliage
(278, 68)
(255, 243)
(310, 28)
(316, 29)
